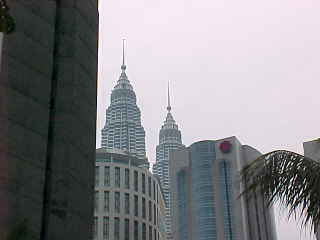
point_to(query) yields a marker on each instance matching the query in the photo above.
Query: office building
(169, 139)
(128, 199)
(205, 189)
(123, 129)
(48, 84)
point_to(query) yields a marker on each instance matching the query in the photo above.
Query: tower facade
(169, 139)
(123, 129)
(48, 90)
(205, 189)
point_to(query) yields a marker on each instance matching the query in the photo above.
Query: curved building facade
(123, 129)
(205, 189)
(128, 204)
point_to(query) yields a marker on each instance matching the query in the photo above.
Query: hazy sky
(246, 68)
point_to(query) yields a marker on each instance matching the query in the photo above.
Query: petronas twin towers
(123, 130)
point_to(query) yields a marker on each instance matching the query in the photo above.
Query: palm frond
(291, 179)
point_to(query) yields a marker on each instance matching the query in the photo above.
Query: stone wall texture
(48, 83)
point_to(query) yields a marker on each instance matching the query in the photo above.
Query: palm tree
(7, 24)
(289, 178)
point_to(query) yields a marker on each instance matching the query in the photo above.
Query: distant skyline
(246, 69)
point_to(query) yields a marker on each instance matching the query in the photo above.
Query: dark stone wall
(48, 116)
(74, 120)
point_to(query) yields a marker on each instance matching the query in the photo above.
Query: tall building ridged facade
(123, 129)
(205, 190)
(169, 140)
(48, 90)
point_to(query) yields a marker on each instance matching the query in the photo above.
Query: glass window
(96, 200)
(143, 208)
(116, 229)
(136, 230)
(127, 178)
(136, 209)
(97, 176)
(127, 203)
(155, 234)
(150, 211)
(117, 202)
(143, 183)
(154, 214)
(126, 229)
(149, 186)
(157, 196)
(105, 228)
(154, 190)
(106, 206)
(135, 181)
(117, 177)
(150, 232)
(107, 176)
(144, 231)
(95, 227)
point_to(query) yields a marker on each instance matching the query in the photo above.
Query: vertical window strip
(97, 176)
(126, 229)
(144, 231)
(95, 228)
(136, 207)
(182, 205)
(117, 202)
(117, 177)
(149, 186)
(127, 203)
(136, 230)
(143, 183)
(106, 201)
(107, 176)
(116, 228)
(127, 178)
(96, 200)
(105, 228)
(135, 180)
(226, 188)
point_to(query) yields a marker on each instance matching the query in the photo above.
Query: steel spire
(123, 66)
(169, 106)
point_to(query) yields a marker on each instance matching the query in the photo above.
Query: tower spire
(123, 66)
(169, 106)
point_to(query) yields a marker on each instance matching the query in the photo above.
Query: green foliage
(7, 23)
(21, 231)
(291, 179)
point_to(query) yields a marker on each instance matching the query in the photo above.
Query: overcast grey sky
(247, 68)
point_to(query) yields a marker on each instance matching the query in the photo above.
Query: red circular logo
(225, 146)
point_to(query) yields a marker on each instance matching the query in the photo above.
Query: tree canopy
(7, 24)
(291, 179)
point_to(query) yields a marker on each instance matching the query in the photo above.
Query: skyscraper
(48, 118)
(205, 189)
(123, 129)
(169, 139)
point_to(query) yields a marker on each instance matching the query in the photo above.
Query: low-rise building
(128, 200)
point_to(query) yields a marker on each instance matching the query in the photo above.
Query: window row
(152, 233)
(146, 182)
(152, 208)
